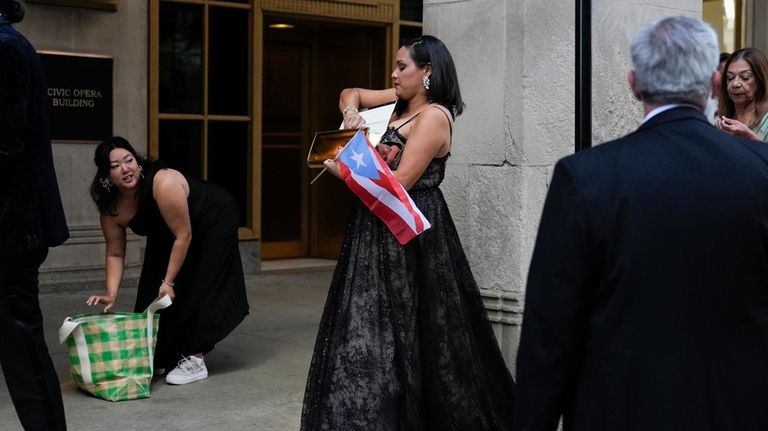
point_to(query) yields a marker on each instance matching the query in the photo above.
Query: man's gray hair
(674, 59)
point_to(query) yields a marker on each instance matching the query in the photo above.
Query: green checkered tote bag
(110, 355)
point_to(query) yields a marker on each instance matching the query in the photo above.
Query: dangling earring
(106, 184)
(140, 171)
(425, 81)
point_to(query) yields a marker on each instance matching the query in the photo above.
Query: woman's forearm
(349, 99)
(114, 274)
(752, 135)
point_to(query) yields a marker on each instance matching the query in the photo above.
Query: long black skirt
(210, 287)
(404, 342)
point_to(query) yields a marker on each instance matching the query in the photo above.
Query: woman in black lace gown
(405, 342)
(191, 255)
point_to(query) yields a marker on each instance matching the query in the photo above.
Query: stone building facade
(516, 64)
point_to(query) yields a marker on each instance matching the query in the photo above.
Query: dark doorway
(306, 65)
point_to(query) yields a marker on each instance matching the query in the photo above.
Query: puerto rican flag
(370, 179)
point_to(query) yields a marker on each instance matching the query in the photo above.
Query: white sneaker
(190, 369)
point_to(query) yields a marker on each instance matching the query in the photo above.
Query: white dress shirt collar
(656, 111)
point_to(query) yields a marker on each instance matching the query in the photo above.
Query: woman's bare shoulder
(168, 177)
(168, 182)
(435, 116)
(167, 174)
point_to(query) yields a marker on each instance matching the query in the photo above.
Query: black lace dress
(210, 288)
(404, 342)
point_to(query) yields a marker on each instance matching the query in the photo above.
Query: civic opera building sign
(80, 95)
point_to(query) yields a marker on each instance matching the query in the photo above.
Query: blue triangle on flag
(358, 158)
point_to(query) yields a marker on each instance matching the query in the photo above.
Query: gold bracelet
(347, 109)
(169, 284)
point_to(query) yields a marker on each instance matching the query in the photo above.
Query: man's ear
(632, 79)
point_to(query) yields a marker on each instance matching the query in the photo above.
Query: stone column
(614, 111)
(516, 65)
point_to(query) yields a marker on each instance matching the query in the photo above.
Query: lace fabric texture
(404, 342)
(392, 137)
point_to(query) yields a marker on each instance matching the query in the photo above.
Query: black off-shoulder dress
(210, 288)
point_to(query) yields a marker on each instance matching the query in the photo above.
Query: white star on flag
(379, 189)
(358, 157)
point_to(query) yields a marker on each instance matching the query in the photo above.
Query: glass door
(306, 64)
(725, 16)
(202, 107)
(284, 136)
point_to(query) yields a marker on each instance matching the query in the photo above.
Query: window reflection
(181, 52)
(411, 10)
(723, 16)
(228, 161)
(228, 62)
(181, 144)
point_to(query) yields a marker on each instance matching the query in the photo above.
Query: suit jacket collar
(684, 112)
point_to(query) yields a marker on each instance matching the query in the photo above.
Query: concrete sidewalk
(257, 374)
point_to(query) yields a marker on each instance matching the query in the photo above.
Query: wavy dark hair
(444, 82)
(106, 199)
(759, 64)
(12, 10)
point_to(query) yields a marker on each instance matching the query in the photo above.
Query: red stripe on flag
(386, 182)
(397, 222)
(389, 182)
(394, 222)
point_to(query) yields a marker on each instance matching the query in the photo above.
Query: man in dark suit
(31, 221)
(647, 298)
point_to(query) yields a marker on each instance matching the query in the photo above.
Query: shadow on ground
(257, 374)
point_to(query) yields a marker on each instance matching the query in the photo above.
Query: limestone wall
(614, 110)
(122, 35)
(516, 65)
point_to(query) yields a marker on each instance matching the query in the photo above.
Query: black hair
(12, 10)
(724, 57)
(106, 197)
(444, 82)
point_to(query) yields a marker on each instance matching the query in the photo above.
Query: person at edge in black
(31, 221)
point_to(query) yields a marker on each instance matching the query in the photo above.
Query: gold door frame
(254, 166)
(374, 11)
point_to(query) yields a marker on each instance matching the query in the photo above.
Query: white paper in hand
(377, 120)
